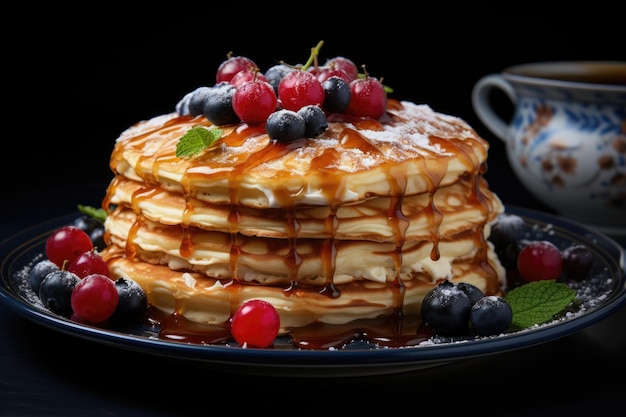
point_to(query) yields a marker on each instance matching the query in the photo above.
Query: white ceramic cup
(566, 140)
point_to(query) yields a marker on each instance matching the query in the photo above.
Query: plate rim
(345, 362)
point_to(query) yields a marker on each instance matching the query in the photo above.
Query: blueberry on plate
(39, 272)
(506, 233)
(132, 301)
(93, 227)
(56, 289)
(576, 262)
(473, 292)
(491, 315)
(446, 309)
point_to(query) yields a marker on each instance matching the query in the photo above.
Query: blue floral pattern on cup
(566, 141)
(554, 146)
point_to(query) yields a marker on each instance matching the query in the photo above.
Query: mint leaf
(97, 213)
(537, 302)
(196, 139)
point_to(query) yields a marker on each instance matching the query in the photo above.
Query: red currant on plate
(539, 260)
(94, 298)
(88, 263)
(255, 324)
(66, 244)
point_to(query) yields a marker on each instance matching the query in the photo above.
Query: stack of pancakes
(359, 222)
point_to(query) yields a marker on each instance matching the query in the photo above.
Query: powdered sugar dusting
(20, 281)
(419, 123)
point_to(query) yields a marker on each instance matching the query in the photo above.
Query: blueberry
(86, 223)
(285, 125)
(576, 262)
(446, 309)
(97, 237)
(132, 301)
(314, 120)
(473, 292)
(218, 104)
(39, 272)
(56, 289)
(195, 101)
(506, 233)
(491, 315)
(93, 227)
(276, 73)
(337, 94)
(182, 107)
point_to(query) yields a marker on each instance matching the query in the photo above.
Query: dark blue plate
(608, 294)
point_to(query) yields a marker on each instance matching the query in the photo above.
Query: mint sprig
(97, 213)
(538, 302)
(196, 140)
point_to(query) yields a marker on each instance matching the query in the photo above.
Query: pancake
(364, 220)
(359, 222)
(266, 261)
(201, 299)
(413, 150)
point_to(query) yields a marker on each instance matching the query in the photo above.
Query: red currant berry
(66, 244)
(88, 263)
(539, 260)
(368, 98)
(254, 101)
(346, 65)
(324, 73)
(300, 88)
(255, 324)
(227, 69)
(247, 75)
(95, 298)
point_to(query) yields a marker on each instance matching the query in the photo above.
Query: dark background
(77, 78)
(74, 78)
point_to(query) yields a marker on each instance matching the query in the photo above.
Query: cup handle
(482, 103)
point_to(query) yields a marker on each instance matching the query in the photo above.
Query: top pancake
(411, 150)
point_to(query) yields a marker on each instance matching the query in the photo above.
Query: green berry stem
(314, 53)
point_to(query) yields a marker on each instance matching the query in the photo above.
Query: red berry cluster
(542, 259)
(243, 94)
(74, 280)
